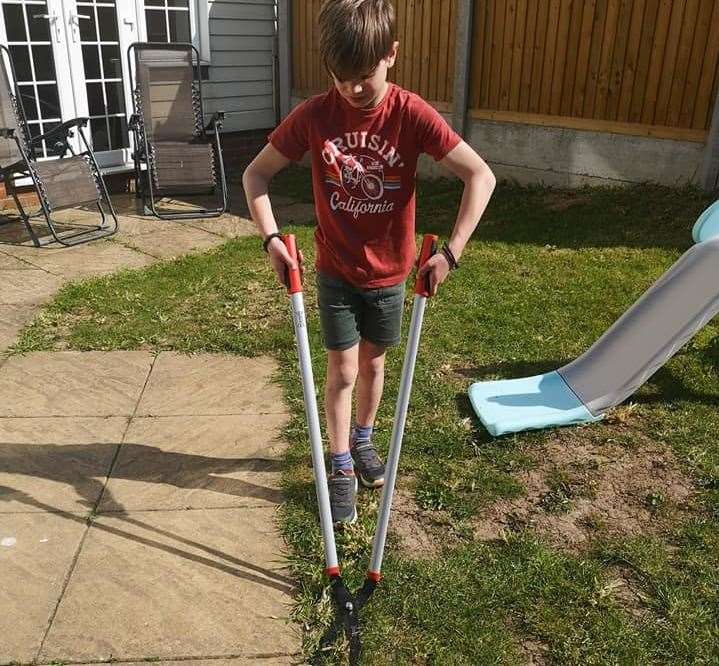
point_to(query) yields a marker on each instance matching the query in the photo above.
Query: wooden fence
(425, 64)
(648, 67)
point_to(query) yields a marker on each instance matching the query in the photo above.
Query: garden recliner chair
(71, 181)
(174, 154)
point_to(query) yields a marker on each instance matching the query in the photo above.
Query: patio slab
(61, 463)
(29, 287)
(83, 261)
(36, 552)
(207, 384)
(13, 318)
(229, 226)
(8, 262)
(164, 584)
(174, 242)
(139, 226)
(73, 383)
(197, 462)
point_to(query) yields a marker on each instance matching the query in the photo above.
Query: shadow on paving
(235, 566)
(194, 471)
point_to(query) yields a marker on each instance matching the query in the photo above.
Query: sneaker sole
(377, 483)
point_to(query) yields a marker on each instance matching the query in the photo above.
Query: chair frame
(23, 168)
(140, 153)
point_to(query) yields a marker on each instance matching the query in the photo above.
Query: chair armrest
(216, 121)
(7, 132)
(63, 129)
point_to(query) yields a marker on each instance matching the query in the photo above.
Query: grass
(545, 275)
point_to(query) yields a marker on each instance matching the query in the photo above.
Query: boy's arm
(479, 182)
(256, 179)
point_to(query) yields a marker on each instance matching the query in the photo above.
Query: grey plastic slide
(676, 306)
(670, 312)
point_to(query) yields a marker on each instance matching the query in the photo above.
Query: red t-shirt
(363, 174)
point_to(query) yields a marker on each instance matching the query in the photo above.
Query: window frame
(199, 26)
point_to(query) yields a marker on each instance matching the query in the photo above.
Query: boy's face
(368, 88)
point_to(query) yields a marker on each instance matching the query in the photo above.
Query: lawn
(591, 545)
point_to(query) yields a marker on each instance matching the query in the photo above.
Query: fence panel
(635, 66)
(425, 64)
(649, 62)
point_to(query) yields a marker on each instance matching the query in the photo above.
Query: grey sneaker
(343, 494)
(368, 464)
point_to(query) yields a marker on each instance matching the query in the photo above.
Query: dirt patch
(624, 589)
(534, 653)
(589, 482)
(561, 201)
(422, 533)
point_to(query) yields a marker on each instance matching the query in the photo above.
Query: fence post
(462, 64)
(710, 162)
(284, 35)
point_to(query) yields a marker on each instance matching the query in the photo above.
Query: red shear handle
(294, 280)
(429, 248)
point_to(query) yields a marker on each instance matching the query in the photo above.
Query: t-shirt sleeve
(435, 136)
(291, 136)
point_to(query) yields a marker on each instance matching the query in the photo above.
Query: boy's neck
(380, 97)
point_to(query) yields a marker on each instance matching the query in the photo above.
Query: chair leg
(26, 220)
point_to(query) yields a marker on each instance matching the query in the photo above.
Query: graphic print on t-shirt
(359, 179)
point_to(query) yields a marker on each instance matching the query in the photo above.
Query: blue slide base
(530, 403)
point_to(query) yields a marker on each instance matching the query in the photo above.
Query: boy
(365, 135)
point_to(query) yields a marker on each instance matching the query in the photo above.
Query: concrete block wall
(572, 158)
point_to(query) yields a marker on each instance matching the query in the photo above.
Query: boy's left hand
(437, 267)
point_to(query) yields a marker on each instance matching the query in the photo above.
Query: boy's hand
(437, 267)
(282, 261)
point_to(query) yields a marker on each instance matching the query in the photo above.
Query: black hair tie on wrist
(449, 256)
(268, 240)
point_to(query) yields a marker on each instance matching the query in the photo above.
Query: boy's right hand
(282, 261)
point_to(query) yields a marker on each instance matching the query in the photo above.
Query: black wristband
(268, 240)
(449, 256)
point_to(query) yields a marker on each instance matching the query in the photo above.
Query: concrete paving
(138, 492)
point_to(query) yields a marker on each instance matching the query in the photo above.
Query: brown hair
(355, 35)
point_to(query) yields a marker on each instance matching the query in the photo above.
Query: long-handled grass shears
(348, 605)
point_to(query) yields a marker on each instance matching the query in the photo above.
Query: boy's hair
(355, 35)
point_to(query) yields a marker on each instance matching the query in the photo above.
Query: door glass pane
(91, 60)
(38, 24)
(14, 23)
(156, 25)
(44, 63)
(107, 20)
(49, 101)
(29, 101)
(179, 26)
(88, 26)
(31, 51)
(95, 99)
(98, 130)
(103, 73)
(111, 62)
(21, 62)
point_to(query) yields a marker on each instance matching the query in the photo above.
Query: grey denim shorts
(348, 313)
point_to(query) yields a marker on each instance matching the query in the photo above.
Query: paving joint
(89, 518)
(155, 660)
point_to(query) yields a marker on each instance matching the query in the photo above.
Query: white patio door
(69, 58)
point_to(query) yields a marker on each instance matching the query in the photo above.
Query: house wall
(242, 45)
